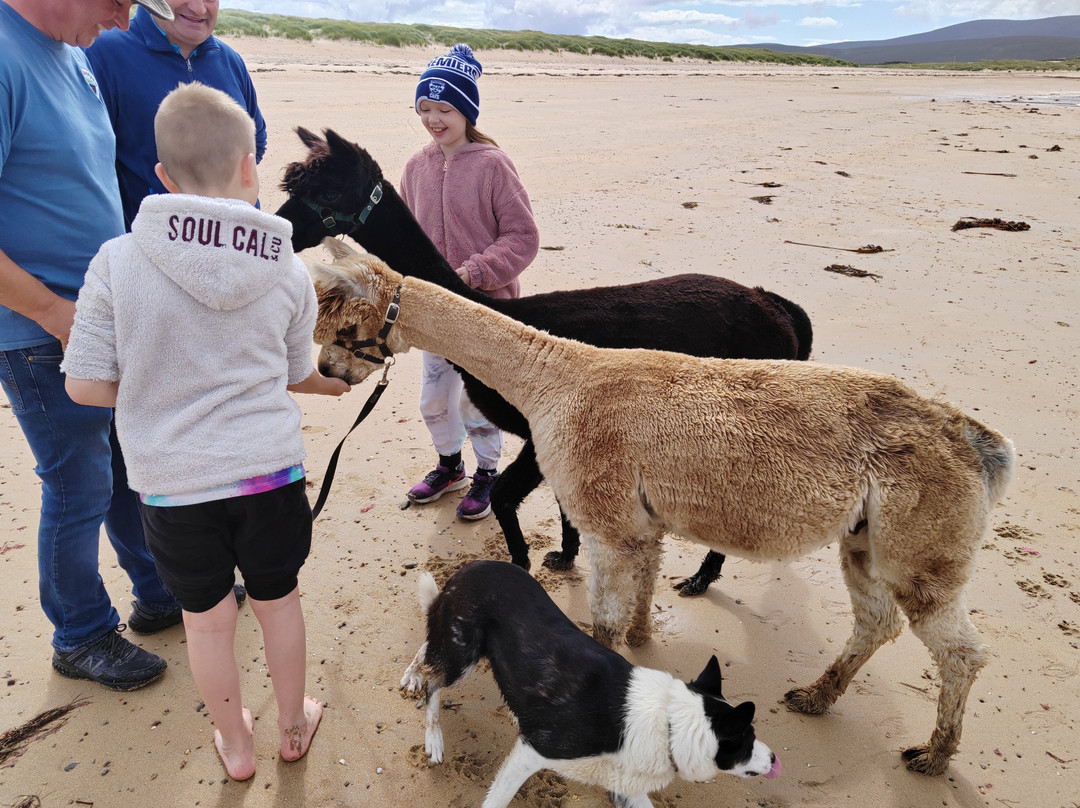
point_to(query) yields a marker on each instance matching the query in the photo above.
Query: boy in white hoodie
(194, 326)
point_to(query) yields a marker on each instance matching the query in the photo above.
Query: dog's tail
(997, 456)
(429, 590)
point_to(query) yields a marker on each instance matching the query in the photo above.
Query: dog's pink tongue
(775, 770)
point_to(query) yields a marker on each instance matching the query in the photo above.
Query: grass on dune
(246, 23)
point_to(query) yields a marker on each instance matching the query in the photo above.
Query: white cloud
(682, 16)
(818, 22)
(691, 36)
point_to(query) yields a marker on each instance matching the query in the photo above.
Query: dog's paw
(433, 745)
(411, 682)
(920, 759)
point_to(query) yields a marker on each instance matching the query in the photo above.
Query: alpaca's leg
(563, 558)
(947, 631)
(877, 620)
(521, 764)
(708, 572)
(412, 680)
(641, 624)
(614, 587)
(517, 481)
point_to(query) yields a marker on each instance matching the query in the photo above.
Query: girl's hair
(474, 135)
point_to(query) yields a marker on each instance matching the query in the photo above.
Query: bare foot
(296, 739)
(239, 763)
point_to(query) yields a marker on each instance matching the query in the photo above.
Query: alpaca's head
(335, 176)
(354, 293)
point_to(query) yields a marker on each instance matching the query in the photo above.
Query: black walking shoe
(144, 621)
(111, 661)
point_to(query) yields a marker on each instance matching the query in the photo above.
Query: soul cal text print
(208, 232)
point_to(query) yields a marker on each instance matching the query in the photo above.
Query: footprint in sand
(1033, 589)
(1055, 580)
(1070, 629)
(1075, 597)
(1014, 532)
(468, 768)
(418, 757)
(544, 789)
(460, 763)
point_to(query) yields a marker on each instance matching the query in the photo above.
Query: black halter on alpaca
(332, 218)
(355, 346)
(697, 314)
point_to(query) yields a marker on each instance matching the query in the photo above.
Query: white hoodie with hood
(204, 315)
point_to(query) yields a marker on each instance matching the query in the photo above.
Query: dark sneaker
(111, 661)
(145, 621)
(437, 483)
(477, 503)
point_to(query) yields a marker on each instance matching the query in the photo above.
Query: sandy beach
(637, 170)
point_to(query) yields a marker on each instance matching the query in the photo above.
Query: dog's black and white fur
(582, 709)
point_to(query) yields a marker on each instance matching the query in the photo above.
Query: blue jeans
(83, 485)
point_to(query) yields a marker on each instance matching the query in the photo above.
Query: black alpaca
(339, 189)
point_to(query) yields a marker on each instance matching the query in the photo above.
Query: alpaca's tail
(997, 456)
(429, 590)
(800, 321)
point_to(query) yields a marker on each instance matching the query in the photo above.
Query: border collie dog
(582, 710)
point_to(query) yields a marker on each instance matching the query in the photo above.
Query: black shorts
(196, 548)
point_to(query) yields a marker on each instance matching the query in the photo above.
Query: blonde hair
(201, 135)
(474, 135)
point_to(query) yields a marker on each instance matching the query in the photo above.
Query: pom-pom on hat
(451, 79)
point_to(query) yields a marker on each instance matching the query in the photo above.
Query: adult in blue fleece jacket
(137, 68)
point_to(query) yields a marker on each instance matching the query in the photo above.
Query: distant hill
(1050, 38)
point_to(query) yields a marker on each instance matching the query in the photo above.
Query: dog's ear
(737, 719)
(709, 680)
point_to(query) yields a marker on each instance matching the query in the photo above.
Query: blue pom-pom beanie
(451, 79)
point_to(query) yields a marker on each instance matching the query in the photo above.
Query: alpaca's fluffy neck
(506, 355)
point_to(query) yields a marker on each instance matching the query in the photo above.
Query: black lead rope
(369, 405)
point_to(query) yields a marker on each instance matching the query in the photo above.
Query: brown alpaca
(763, 459)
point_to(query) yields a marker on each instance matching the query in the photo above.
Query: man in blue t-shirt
(58, 203)
(138, 67)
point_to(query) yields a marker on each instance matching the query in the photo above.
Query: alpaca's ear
(354, 279)
(324, 276)
(337, 143)
(338, 248)
(310, 139)
(330, 278)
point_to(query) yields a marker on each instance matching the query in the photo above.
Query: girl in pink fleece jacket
(467, 196)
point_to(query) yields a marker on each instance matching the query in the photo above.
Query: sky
(700, 22)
